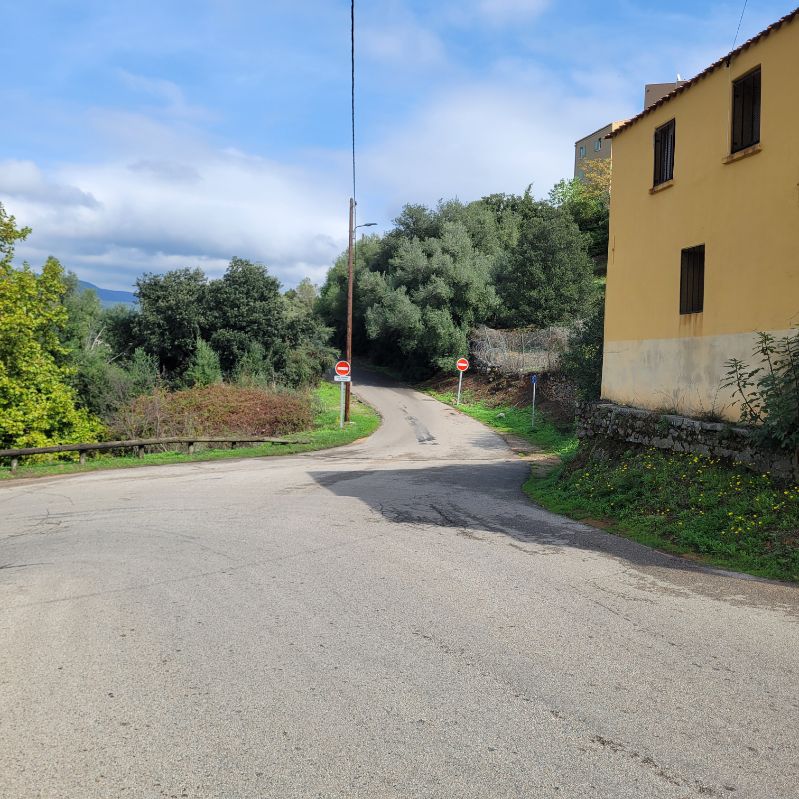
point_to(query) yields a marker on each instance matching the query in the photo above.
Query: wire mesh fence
(518, 351)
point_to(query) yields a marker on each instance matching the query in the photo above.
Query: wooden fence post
(82, 457)
(14, 463)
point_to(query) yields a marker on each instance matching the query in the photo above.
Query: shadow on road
(484, 499)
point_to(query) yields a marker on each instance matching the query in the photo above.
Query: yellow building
(704, 228)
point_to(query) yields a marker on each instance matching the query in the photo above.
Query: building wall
(655, 91)
(590, 153)
(746, 213)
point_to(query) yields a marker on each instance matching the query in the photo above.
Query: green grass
(325, 434)
(717, 513)
(509, 420)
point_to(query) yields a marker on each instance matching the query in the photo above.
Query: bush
(204, 368)
(220, 409)
(582, 360)
(103, 385)
(769, 394)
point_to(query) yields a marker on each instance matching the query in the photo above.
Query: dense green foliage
(38, 406)
(204, 367)
(420, 289)
(582, 360)
(68, 367)
(252, 328)
(546, 278)
(768, 394)
(587, 201)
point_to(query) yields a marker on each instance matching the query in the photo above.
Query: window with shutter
(692, 280)
(746, 111)
(664, 153)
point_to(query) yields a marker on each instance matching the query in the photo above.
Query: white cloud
(163, 197)
(24, 180)
(189, 205)
(479, 139)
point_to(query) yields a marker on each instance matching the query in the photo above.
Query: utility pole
(349, 306)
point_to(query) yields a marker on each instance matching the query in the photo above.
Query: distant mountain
(108, 297)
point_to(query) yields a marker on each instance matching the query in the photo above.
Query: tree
(422, 309)
(204, 368)
(171, 316)
(245, 306)
(369, 263)
(582, 360)
(38, 407)
(587, 201)
(103, 372)
(547, 277)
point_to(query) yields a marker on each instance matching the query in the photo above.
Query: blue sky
(153, 135)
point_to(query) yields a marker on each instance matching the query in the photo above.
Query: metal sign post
(534, 381)
(462, 365)
(342, 376)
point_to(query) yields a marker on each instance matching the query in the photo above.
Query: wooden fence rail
(140, 444)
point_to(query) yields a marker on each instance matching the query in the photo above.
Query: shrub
(582, 360)
(220, 409)
(104, 385)
(769, 394)
(204, 368)
(253, 369)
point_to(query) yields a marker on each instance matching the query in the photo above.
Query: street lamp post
(350, 281)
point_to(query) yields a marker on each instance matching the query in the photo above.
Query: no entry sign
(343, 368)
(462, 364)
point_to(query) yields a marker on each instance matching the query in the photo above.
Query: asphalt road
(392, 619)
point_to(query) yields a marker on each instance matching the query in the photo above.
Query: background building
(596, 145)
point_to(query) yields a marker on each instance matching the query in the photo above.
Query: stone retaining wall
(604, 420)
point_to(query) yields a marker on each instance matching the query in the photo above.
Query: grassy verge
(713, 512)
(509, 420)
(324, 434)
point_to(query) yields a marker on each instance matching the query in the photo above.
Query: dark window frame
(664, 144)
(692, 280)
(746, 107)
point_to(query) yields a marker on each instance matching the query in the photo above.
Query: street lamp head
(366, 224)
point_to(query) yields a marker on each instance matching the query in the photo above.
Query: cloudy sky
(140, 137)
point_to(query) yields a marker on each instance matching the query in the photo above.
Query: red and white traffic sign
(462, 364)
(343, 368)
